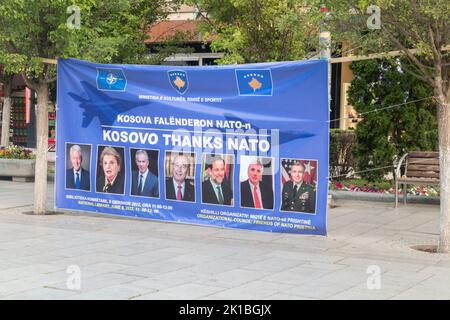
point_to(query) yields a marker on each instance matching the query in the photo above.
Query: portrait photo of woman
(110, 173)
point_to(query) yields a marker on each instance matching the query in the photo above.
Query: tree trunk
(40, 184)
(444, 160)
(6, 114)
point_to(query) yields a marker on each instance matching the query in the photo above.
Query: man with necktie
(77, 177)
(214, 189)
(297, 195)
(144, 183)
(178, 187)
(254, 192)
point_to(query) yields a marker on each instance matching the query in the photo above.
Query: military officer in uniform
(297, 195)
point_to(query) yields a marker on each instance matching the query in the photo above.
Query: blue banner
(242, 146)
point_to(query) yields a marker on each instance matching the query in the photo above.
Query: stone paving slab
(122, 258)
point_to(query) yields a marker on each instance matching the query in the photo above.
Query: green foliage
(364, 184)
(250, 31)
(115, 30)
(423, 25)
(16, 152)
(384, 136)
(110, 31)
(407, 21)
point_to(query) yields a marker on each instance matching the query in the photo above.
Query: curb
(381, 197)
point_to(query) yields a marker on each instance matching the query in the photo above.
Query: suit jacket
(85, 182)
(150, 185)
(209, 195)
(189, 190)
(247, 195)
(117, 187)
(292, 202)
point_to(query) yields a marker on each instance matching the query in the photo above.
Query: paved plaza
(122, 258)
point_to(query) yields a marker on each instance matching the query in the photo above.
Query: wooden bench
(421, 167)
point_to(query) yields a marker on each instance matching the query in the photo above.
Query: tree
(248, 31)
(384, 136)
(421, 30)
(110, 31)
(6, 79)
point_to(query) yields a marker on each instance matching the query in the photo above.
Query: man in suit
(255, 193)
(178, 187)
(144, 183)
(77, 177)
(214, 189)
(297, 195)
(111, 178)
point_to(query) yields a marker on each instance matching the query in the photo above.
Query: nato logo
(179, 80)
(254, 82)
(111, 79)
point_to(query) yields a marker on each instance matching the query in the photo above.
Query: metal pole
(325, 48)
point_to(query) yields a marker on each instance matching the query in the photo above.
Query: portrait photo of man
(256, 190)
(144, 173)
(180, 175)
(217, 185)
(77, 174)
(110, 173)
(299, 192)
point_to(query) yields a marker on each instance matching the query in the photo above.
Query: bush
(384, 136)
(341, 157)
(16, 152)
